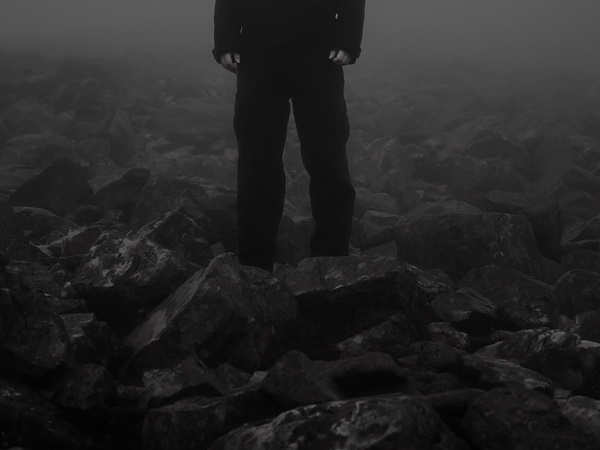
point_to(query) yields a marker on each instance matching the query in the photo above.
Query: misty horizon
(521, 34)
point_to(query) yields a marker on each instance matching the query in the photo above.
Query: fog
(521, 33)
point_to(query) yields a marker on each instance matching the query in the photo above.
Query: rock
(38, 223)
(33, 340)
(120, 135)
(452, 405)
(188, 378)
(86, 388)
(578, 303)
(158, 196)
(515, 418)
(376, 201)
(77, 241)
(443, 208)
(584, 413)
(195, 422)
(465, 308)
(79, 68)
(30, 421)
(437, 355)
(181, 233)
(472, 178)
(38, 150)
(581, 259)
(11, 232)
(445, 332)
(92, 341)
(225, 312)
(341, 296)
(295, 380)
(520, 300)
(95, 151)
(59, 188)
(588, 230)
(377, 422)
(542, 212)
(457, 243)
(122, 194)
(559, 355)
(123, 275)
(486, 372)
(393, 336)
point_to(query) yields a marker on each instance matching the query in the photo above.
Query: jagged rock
(559, 355)
(516, 418)
(124, 274)
(59, 188)
(11, 232)
(457, 243)
(95, 151)
(393, 336)
(452, 405)
(341, 296)
(465, 308)
(159, 196)
(445, 332)
(186, 379)
(86, 387)
(542, 212)
(177, 231)
(77, 241)
(12, 176)
(30, 421)
(92, 341)
(67, 305)
(230, 377)
(443, 208)
(583, 231)
(578, 303)
(584, 413)
(38, 222)
(33, 341)
(487, 372)
(38, 150)
(582, 259)
(225, 312)
(295, 380)
(521, 301)
(378, 422)
(123, 193)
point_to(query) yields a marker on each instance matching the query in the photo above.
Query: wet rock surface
(466, 316)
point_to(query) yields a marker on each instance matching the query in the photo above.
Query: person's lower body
(267, 80)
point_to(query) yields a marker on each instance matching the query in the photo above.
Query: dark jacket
(337, 24)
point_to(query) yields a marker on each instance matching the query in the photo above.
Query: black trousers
(268, 78)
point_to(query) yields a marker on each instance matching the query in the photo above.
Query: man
(284, 50)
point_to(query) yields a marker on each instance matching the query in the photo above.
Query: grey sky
(521, 31)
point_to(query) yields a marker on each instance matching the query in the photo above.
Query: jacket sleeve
(227, 28)
(349, 26)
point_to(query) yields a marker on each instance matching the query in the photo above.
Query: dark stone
(38, 150)
(11, 232)
(124, 275)
(86, 388)
(516, 418)
(92, 341)
(466, 309)
(584, 413)
(521, 300)
(457, 243)
(60, 188)
(384, 423)
(224, 312)
(38, 223)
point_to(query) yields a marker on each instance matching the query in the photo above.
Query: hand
(340, 57)
(230, 61)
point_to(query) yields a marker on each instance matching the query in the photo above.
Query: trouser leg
(323, 129)
(260, 122)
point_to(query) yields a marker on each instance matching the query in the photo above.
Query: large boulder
(33, 339)
(126, 274)
(517, 418)
(11, 231)
(61, 187)
(38, 223)
(372, 422)
(457, 243)
(225, 312)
